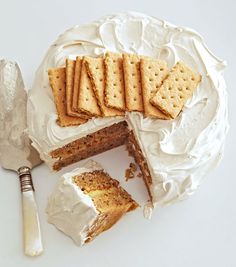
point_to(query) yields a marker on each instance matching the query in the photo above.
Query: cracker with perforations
(70, 76)
(153, 72)
(87, 101)
(77, 73)
(96, 71)
(177, 88)
(57, 80)
(133, 86)
(70, 71)
(114, 83)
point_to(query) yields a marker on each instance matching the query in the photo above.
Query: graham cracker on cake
(96, 71)
(70, 74)
(57, 80)
(114, 86)
(133, 86)
(176, 89)
(77, 73)
(87, 101)
(153, 72)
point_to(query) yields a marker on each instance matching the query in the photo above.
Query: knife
(16, 152)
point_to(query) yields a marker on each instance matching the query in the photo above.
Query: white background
(198, 232)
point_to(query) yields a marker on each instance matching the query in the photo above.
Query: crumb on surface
(133, 167)
(140, 174)
(130, 172)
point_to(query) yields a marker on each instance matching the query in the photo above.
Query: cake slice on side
(86, 202)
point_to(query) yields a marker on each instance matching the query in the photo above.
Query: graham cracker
(114, 84)
(177, 88)
(96, 71)
(70, 80)
(70, 71)
(153, 72)
(87, 101)
(57, 80)
(133, 86)
(78, 65)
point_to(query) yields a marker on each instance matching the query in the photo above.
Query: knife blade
(16, 152)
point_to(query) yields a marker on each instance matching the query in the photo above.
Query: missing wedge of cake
(86, 202)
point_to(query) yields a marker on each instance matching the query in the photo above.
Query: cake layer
(92, 144)
(135, 151)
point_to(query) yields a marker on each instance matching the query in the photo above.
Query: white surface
(198, 232)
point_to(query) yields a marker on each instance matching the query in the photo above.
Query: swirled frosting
(179, 152)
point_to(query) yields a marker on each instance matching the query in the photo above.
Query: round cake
(179, 152)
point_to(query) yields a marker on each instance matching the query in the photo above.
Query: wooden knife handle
(32, 233)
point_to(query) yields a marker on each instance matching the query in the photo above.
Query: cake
(174, 154)
(86, 202)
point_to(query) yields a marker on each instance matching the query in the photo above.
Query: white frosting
(179, 152)
(69, 209)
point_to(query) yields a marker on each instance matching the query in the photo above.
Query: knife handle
(32, 233)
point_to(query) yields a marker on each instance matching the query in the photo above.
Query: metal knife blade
(15, 146)
(16, 152)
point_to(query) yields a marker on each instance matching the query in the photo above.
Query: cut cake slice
(94, 202)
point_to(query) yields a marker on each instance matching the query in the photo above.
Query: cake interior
(109, 198)
(90, 145)
(135, 151)
(107, 138)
